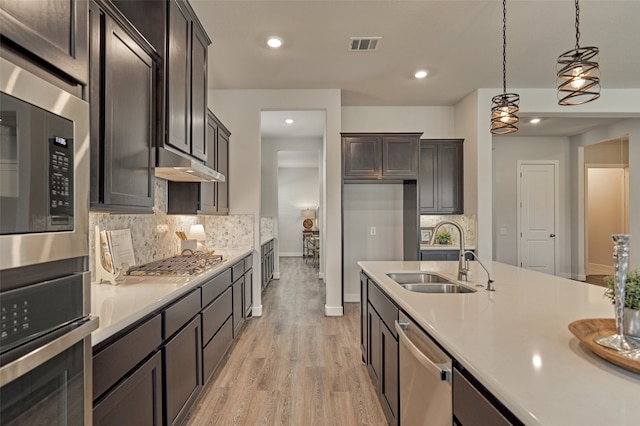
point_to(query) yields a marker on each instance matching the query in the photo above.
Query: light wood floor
(293, 365)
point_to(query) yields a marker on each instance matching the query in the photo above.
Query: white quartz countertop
(515, 341)
(119, 306)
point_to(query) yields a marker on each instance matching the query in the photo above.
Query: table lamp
(197, 233)
(309, 215)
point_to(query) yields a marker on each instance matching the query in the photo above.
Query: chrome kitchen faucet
(463, 267)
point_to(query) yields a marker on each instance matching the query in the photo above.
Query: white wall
(365, 206)
(240, 111)
(507, 151)
(434, 122)
(297, 190)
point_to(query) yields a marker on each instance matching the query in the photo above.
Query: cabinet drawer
(213, 353)
(178, 314)
(117, 359)
(237, 270)
(216, 314)
(248, 263)
(385, 308)
(215, 287)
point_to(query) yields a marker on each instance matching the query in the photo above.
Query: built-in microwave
(44, 170)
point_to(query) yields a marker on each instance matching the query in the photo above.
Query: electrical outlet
(372, 230)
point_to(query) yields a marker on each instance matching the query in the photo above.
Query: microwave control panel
(61, 170)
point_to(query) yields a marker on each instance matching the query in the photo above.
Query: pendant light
(578, 72)
(504, 107)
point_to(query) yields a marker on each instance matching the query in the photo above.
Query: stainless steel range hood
(178, 167)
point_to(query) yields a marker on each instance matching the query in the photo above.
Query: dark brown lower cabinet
(248, 293)
(137, 400)
(238, 302)
(390, 378)
(364, 331)
(374, 362)
(183, 379)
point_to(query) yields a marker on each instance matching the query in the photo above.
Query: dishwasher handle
(443, 370)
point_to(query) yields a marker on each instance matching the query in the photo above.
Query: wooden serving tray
(586, 329)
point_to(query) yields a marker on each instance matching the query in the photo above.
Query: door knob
(552, 235)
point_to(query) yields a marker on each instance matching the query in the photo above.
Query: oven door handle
(21, 366)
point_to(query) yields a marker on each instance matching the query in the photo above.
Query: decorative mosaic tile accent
(266, 228)
(154, 235)
(467, 222)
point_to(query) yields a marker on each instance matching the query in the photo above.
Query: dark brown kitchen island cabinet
(441, 176)
(50, 34)
(383, 354)
(380, 156)
(122, 94)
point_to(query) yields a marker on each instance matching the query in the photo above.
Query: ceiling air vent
(363, 44)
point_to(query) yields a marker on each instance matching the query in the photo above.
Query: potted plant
(443, 237)
(631, 301)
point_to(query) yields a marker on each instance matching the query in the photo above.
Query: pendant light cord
(577, 25)
(504, 45)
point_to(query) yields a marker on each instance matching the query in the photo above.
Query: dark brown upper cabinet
(380, 156)
(51, 35)
(173, 28)
(210, 198)
(122, 92)
(441, 176)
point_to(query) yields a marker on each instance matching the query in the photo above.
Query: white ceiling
(458, 41)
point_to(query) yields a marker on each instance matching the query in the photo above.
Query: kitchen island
(516, 343)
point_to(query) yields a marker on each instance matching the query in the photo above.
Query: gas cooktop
(178, 266)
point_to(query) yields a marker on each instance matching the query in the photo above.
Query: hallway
(293, 365)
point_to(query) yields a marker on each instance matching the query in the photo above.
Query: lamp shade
(197, 232)
(308, 213)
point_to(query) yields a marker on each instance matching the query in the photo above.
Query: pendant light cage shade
(504, 113)
(578, 76)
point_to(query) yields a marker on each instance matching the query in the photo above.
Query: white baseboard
(256, 311)
(598, 269)
(321, 275)
(290, 254)
(564, 275)
(579, 277)
(276, 275)
(333, 311)
(352, 297)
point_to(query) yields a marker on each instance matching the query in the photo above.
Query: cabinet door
(450, 172)
(362, 157)
(179, 77)
(388, 384)
(364, 331)
(238, 302)
(183, 380)
(136, 401)
(374, 361)
(400, 157)
(428, 181)
(222, 160)
(248, 293)
(55, 31)
(199, 94)
(128, 120)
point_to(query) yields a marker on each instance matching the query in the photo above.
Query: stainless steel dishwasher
(425, 378)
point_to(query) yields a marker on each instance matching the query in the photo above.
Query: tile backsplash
(153, 235)
(467, 222)
(267, 230)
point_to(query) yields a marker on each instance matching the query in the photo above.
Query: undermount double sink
(426, 282)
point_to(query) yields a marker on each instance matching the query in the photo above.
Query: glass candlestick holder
(619, 341)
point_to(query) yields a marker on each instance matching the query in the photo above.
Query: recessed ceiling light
(421, 74)
(534, 121)
(289, 121)
(274, 42)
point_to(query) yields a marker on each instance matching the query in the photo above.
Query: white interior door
(538, 205)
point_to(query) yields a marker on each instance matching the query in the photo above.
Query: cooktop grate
(181, 265)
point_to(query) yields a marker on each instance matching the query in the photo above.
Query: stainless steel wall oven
(45, 321)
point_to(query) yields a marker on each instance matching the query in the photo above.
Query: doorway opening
(292, 180)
